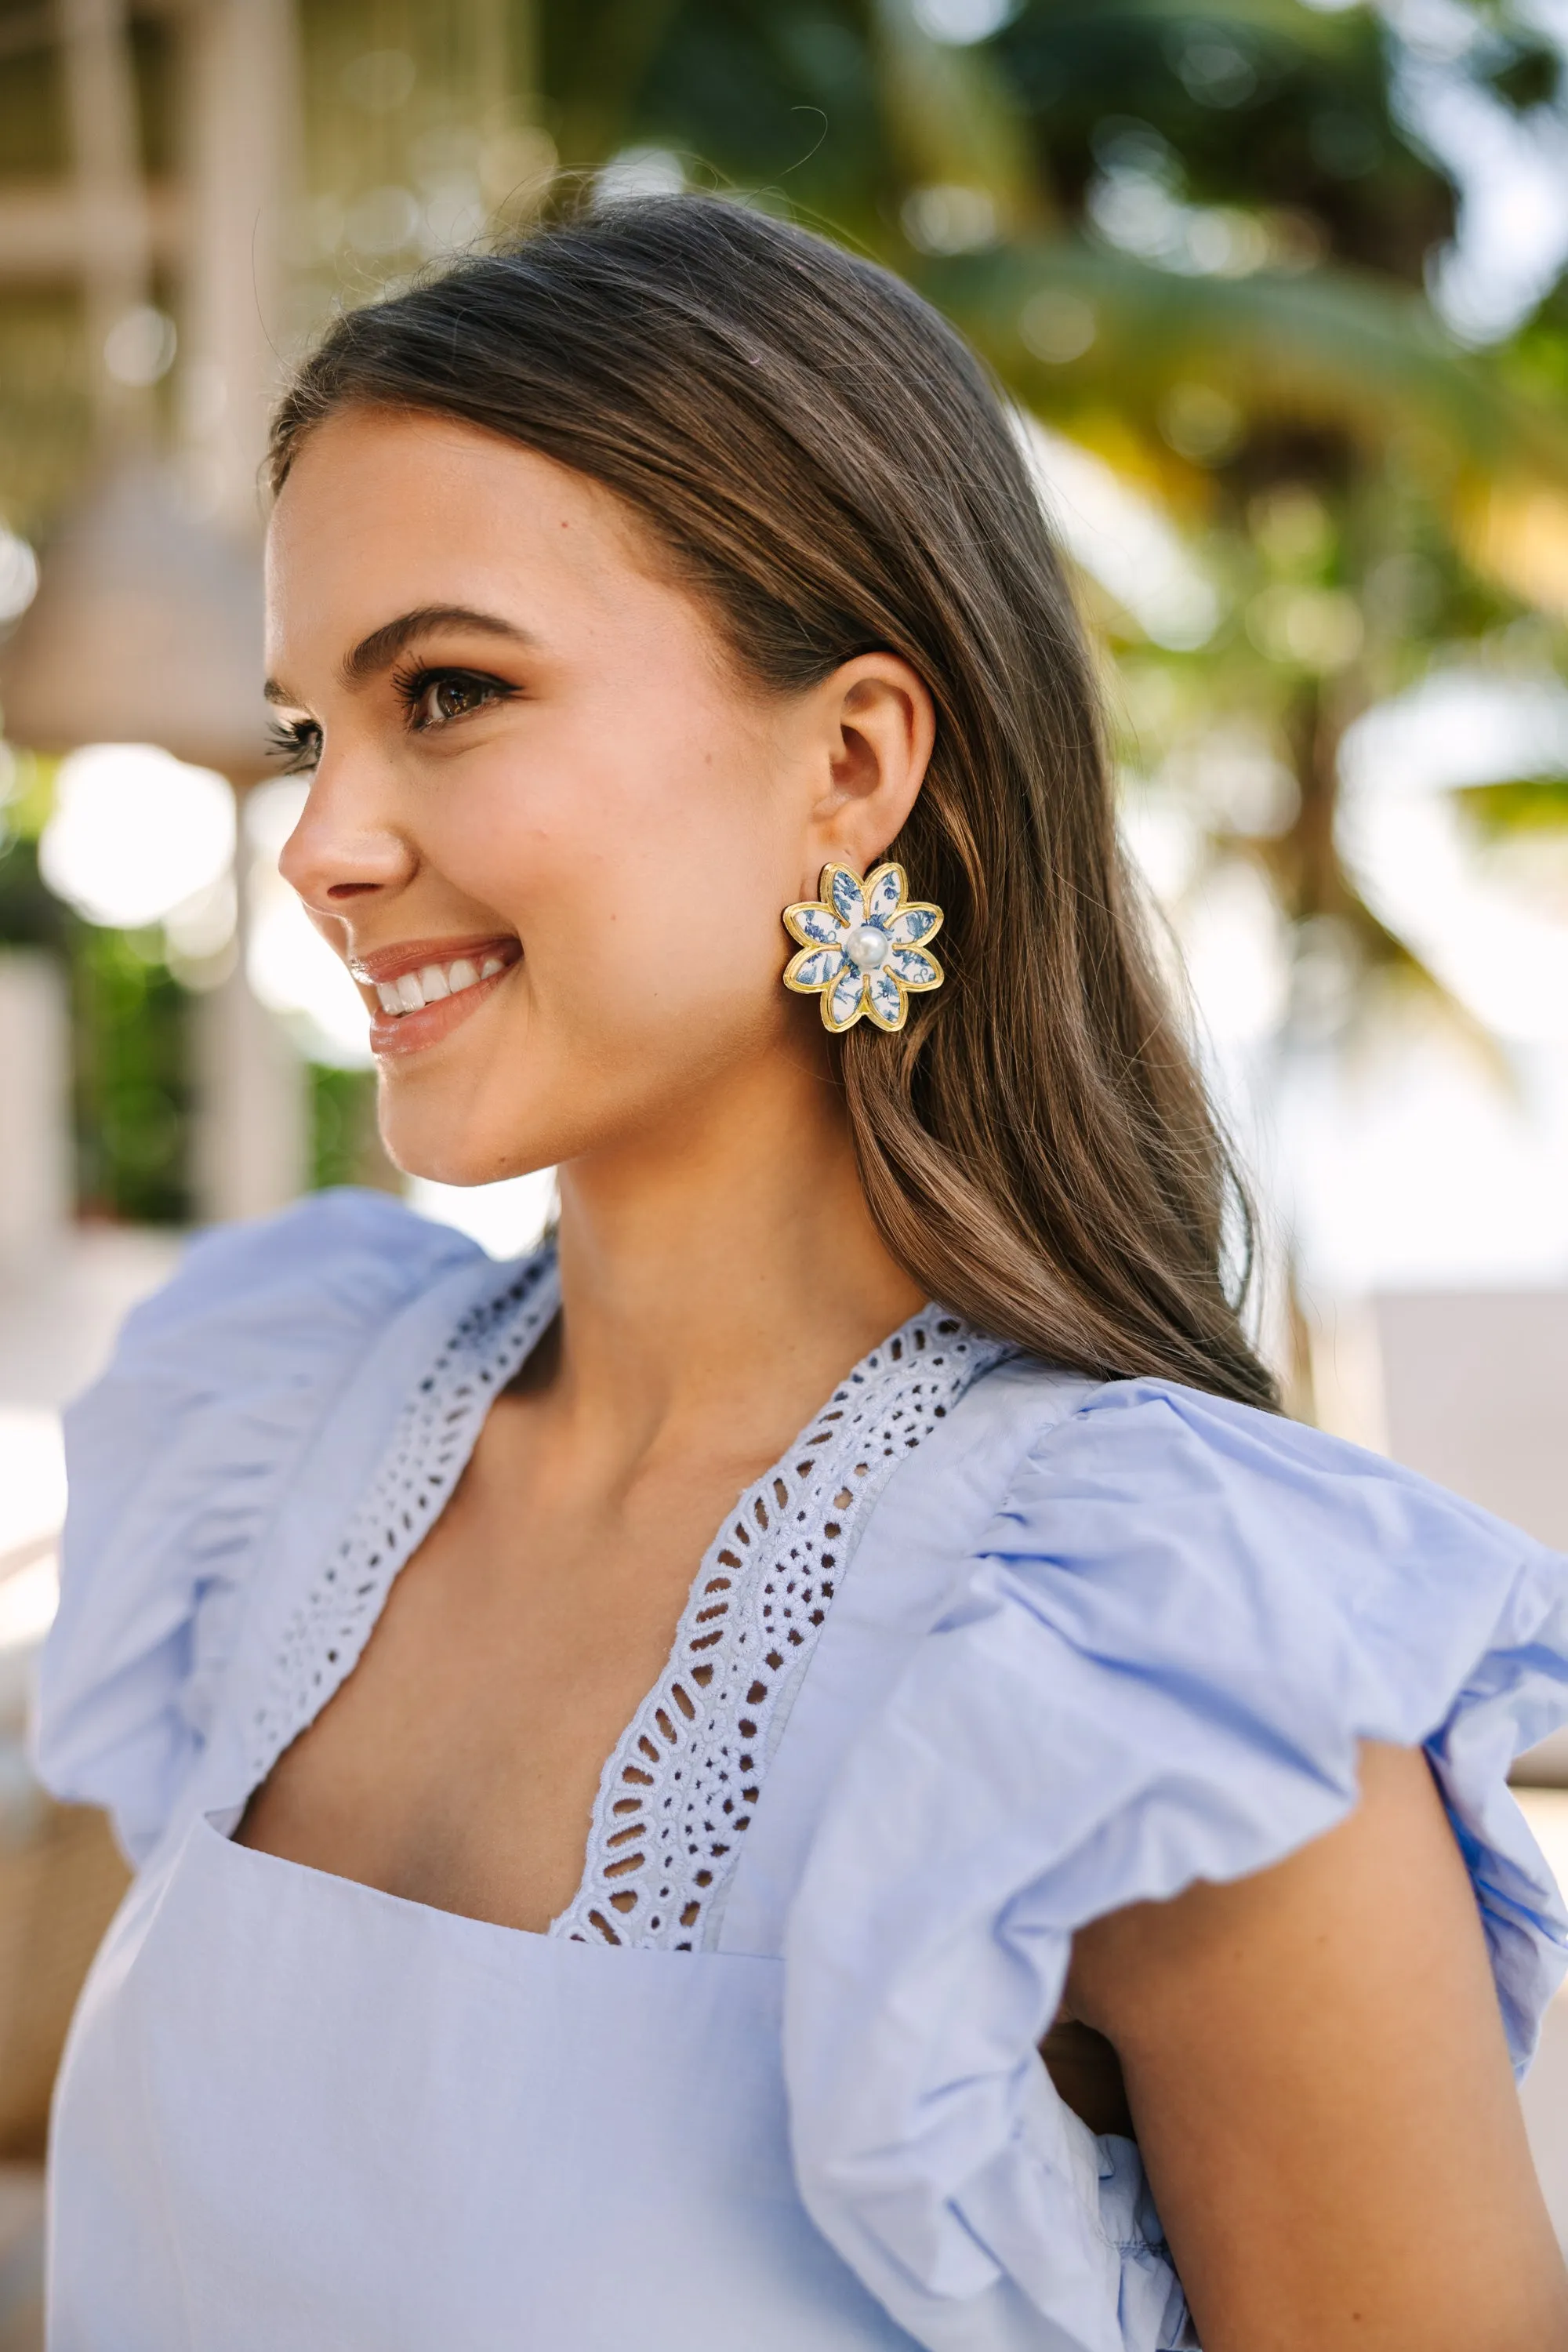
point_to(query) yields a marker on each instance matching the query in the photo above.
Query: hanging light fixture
(146, 628)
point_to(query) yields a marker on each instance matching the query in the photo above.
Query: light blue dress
(1083, 1645)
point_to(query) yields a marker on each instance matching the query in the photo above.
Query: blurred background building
(1279, 289)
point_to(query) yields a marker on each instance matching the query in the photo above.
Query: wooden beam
(45, 232)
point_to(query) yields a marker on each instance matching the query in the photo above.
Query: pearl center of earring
(867, 947)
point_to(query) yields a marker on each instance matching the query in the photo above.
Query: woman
(533, 1947)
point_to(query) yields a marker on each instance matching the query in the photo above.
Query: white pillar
(241, 132)
(34, 1108)
(111, 200)
(251, 1139)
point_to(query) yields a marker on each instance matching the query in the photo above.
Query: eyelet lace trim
(677, 1794)
(327, 1633)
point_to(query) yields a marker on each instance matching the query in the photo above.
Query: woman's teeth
(415, 990)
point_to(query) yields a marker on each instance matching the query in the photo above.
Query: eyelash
(297, 742)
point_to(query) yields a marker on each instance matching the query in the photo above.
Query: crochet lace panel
(678, 1792)
(440, 1426)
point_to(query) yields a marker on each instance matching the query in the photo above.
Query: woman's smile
(419, 992)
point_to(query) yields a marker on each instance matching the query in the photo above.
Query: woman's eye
(450, 695)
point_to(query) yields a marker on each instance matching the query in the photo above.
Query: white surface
(57, 1322)
(58, 1317)
(32, 1479)
(34, 1091)
(1475, 1396)
(504, 1219)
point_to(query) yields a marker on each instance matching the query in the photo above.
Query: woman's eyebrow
(381, 648)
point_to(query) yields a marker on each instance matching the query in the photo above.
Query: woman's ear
(878, 725)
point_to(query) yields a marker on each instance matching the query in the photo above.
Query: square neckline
(915, 1373)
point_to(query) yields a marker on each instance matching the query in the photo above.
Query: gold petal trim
(811, 987)
(873, 1014)
(868, 888)
(918, 986)
(918, 907)
(838, 1028)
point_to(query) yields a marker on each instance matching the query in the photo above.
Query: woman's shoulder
(1157, 1665)
(1264, 1595)
(257, 1328)
(177, 1458)
(1202, 1543)
(1251, 1520)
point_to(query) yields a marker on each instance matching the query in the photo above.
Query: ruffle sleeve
(1181, 1623)
(177, 1459)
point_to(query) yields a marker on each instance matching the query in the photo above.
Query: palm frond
(951, 117)
(1326, 346)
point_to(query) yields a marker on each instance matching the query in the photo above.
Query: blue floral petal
(884, 1000)
(813, 924)
(813, 968)
(914, 924)
(841, 1007)
(883, 892)
(915, 968)
(849, 899)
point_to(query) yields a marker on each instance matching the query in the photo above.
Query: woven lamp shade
(146, 628)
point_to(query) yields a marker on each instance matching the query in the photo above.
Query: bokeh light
(289, 965)
(134, 834)
(1122, 540)
(18, 575)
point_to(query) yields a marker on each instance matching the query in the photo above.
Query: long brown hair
(831, 467)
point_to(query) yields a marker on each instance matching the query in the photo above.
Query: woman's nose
(340, 852)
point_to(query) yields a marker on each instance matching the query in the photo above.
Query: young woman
(560, 1926)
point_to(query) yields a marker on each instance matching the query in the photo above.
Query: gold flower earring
(862, 948)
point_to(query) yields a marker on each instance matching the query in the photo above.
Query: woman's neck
(727, 1264)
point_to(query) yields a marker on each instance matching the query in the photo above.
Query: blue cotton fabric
(1098, 1642)
(179, 1462)
(1179, 1624)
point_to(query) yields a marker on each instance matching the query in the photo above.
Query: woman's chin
(461, 1171)
(449, 1133)
(428, 1149)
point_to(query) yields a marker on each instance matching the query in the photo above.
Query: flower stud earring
(862, 948)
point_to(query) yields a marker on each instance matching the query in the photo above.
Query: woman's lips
(392, 1033)
(454, 982)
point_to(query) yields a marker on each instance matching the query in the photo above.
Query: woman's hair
(832, 471)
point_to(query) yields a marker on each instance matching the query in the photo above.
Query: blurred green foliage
(1531, 804)
(131, 1024)
(131, 1029)
(344, 1145)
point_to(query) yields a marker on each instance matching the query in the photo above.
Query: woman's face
(548, 821)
